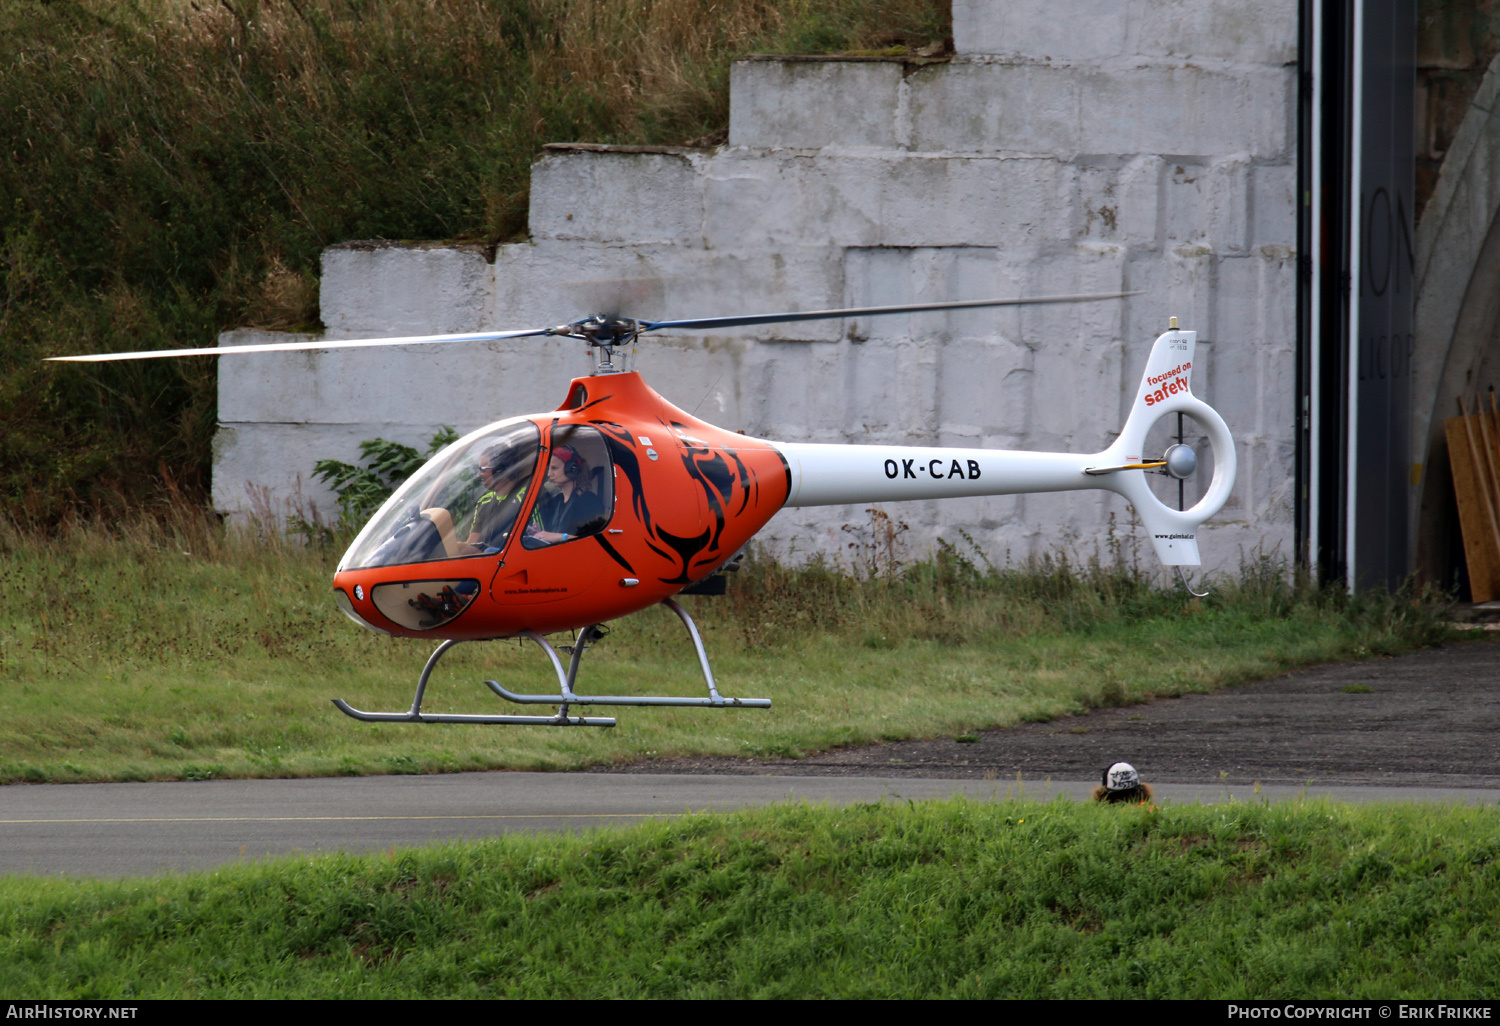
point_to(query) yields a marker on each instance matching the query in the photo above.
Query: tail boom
(837, 475)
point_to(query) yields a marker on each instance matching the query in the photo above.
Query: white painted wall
(1071, 146)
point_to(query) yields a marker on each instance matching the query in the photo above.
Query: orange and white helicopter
(618, 500)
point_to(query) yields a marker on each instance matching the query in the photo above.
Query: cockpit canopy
(469, 499)
(462, 502)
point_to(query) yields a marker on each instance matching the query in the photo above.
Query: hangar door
(1355, 291)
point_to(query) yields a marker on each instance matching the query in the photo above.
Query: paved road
(1430, 719)
(1424, 727)
(135, 829)
(123, 829)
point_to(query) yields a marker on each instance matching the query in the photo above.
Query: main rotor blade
(871, 311)
(292, 347)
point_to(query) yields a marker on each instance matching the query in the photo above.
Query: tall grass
(958, 594)
(168, 647)
(955, 899)
(170, 169)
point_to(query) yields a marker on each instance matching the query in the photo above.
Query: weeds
(362, 490)
(171, 170)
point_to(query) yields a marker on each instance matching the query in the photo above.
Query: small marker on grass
(1122, 784)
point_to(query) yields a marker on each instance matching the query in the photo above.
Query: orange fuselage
(687, 496)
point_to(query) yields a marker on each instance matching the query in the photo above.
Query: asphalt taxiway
(117, 830)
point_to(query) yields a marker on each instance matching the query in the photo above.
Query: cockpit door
(556, 555)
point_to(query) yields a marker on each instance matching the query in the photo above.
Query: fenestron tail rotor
(605, 331)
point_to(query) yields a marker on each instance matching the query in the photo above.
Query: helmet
(1121, 777)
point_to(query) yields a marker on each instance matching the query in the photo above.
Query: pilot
(573, 510)
(504, 477)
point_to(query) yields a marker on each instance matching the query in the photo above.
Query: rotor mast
(603, 333)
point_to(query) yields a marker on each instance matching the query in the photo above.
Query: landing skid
(567, 697)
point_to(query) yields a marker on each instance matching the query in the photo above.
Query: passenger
(573, 510)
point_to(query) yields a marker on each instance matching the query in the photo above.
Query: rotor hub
(1181, 461)
(603, 333)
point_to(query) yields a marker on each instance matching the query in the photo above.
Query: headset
(572, 465)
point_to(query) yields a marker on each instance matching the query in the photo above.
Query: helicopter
(617, 501)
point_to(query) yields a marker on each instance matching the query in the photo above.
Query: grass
(178, 651)
(954, 899)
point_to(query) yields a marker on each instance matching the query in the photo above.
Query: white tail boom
(836, 475)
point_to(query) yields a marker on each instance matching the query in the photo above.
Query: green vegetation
(362, 489)
(939, 899)
(171, 169)
(152, 651)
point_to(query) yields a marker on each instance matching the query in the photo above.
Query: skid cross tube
(568, 697)
(416, 715)
(565, 696)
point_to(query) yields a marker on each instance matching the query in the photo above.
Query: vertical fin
(1166, 388)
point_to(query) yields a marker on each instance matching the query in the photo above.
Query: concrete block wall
(1071, 146)
(1250, 32)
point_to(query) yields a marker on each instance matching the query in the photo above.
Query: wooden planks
(1474, 454)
